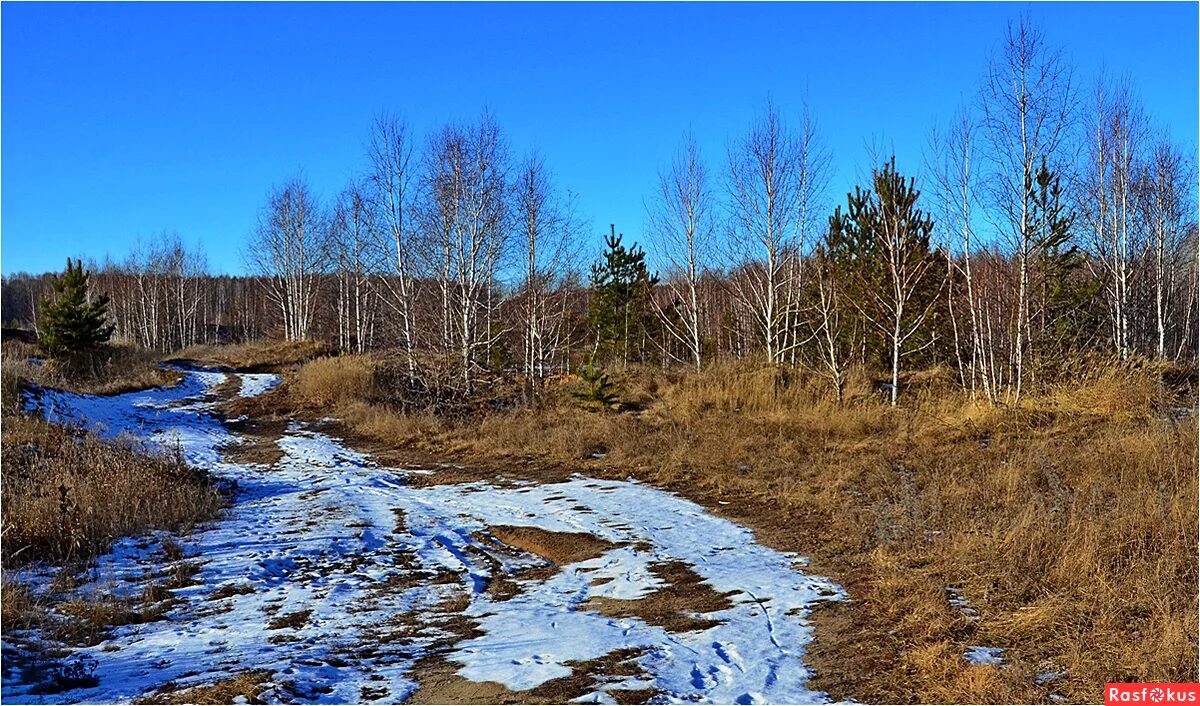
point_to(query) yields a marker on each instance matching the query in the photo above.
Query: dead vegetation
(294, 621)
(557, 547)
(675, 607)
(248, 685)
(68, 496)
(257, 356)
(113, 370)
(440, 684)
(1068, 524)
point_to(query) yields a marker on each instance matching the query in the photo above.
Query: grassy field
(1063, 531)
(1068, 525)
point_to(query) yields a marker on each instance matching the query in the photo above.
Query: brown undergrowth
(249, 685)
(110, 371)
(1062, 530)
(256, 356)
(67, 496)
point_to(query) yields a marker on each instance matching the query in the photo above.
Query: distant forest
(1051, 220)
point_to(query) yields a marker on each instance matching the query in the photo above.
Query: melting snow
(954, 595)
(984, 655)
(255, 384)
(325, 530)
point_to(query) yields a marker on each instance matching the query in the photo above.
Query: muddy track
(336, 579)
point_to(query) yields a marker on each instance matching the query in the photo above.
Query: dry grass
(114, 370)
(294, 620)
(678, 606)
(258, 356)
(67, 498)
(1069, 523)
(89, 620)
(335, 381)
(18, 607)
(248, 685)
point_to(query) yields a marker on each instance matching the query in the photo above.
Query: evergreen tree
(880, 251)
(1066, 313)
(598, 389)
(620, 314)
(72, 325)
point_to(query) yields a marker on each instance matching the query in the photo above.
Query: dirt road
(334, 580)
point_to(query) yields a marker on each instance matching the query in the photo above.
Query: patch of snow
(255, 384)
(954, 595)
(328, 531)
(984, 655)
(529, 639)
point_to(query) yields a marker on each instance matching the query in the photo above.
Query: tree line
(1048, 220)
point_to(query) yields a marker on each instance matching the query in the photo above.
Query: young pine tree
(71, 325)
(881, 245)
(620, 314)
(1066, 313)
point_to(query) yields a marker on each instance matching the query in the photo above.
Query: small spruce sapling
(598, 388)
(71, 324)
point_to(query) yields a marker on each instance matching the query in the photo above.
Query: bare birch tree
(762, 182)
(1116, 137)
(357, 259)
(1027, 101)
(827, 323)
(682, 232)
(548, 231)
(1165, 191)
(468, 185)
(290, 249)
(956, 182)
(393, 178)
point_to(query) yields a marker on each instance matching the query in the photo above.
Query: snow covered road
(345, 582)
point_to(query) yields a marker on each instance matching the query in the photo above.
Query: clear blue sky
(120, 121)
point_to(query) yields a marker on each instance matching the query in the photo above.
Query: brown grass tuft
(334, 380)
(68, 498)
(247, 684)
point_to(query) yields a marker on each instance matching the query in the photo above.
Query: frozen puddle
(337, 576)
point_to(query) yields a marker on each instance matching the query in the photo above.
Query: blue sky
(121, 121)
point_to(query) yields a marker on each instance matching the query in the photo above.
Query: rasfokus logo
(1151, 694)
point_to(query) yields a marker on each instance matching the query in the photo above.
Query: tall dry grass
(67, 498)
(1069, 522)
(109, 371)
(255, 356)
(335, 380)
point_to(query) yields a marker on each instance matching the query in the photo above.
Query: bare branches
(682, 226)
(392, 177)
(763, 184)
(291, 249)
(1028, 103)
(548, 231)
